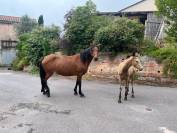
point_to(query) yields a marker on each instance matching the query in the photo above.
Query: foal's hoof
(82, 95)
(44, 92)
(133, 96)
(119, 101)
(125, 99)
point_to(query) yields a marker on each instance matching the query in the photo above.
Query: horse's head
(137, 63)
(94, 52)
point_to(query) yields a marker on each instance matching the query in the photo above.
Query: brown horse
(123, 68)
(76, 65)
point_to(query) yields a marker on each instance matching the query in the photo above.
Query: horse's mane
(86, 55)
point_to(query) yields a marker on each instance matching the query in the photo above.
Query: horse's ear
(134, 54)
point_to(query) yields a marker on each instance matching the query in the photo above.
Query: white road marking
(5, 73)
(140, 108)
(166, 130)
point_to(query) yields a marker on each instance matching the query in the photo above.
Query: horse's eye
(136, 61)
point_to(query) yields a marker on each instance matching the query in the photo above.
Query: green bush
(148, 47)
(42, 41)
(170, 66)
(34, 70)
(168, 56)
(35, 45)
(164, 53)
(18, 64)
(15, 64)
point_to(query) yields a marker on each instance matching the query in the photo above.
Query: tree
(168, 8)
(26, 25)
(77, 23)
(40, 20)
(121, 34)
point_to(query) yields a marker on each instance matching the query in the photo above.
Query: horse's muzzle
(96, 59)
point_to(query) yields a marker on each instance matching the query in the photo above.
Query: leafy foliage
(120, 35)
(26, 25)
(168, 8)
(33, 46)
(148, 47)
(78, 26)
(168, 56)
(42, 41)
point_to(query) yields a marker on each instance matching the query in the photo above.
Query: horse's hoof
(125, 99)
(48, 94)
(75, 93)
(119, 101)
(133, 96)
(82, 95)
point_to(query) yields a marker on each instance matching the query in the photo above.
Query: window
(8, 44)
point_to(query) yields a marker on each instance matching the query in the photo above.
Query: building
(145, 12)
(8, 39)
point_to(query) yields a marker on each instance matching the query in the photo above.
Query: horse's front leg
(75, 88)
(80, 83)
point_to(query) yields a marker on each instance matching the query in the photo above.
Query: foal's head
(137, 63)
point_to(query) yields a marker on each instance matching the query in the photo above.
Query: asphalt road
(23, 109)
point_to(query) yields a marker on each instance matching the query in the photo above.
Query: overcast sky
(54, 10)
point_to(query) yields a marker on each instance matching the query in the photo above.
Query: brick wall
(106, 68)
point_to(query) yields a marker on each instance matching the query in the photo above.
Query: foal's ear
(127, 56)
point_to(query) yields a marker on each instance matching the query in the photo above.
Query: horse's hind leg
(47, 89)
(80, 83)
(42, 77)
(75, 88)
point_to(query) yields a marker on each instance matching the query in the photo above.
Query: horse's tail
(42, 73)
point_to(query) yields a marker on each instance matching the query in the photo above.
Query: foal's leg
(119, 101)
(80, 83)
(133, 96)
(126, 90)
(75, 88)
